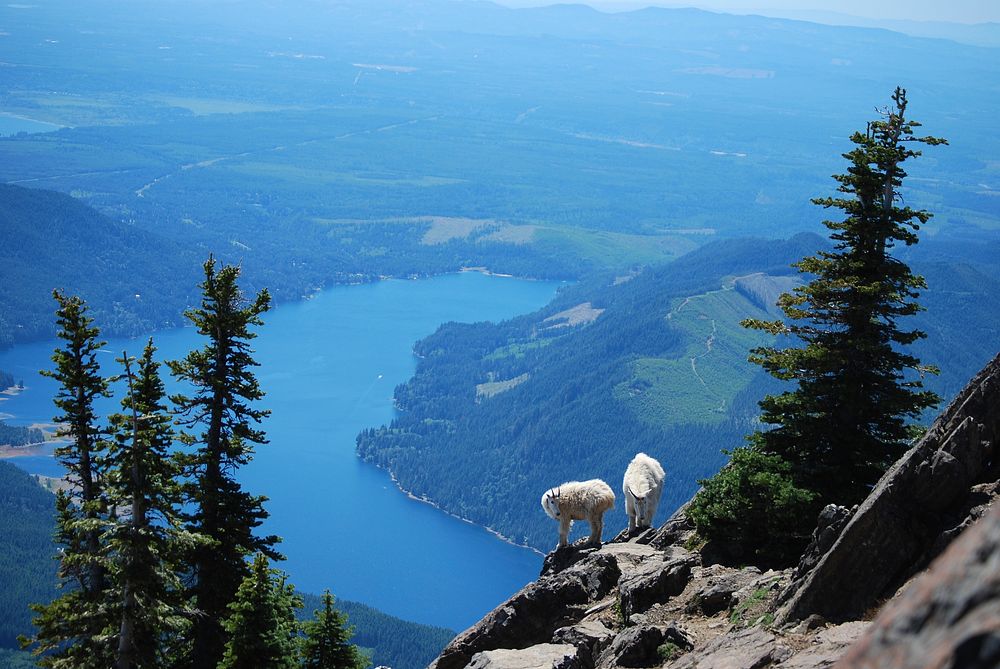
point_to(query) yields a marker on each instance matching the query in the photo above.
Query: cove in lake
(329, 366)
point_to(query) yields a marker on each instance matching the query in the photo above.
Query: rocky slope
(650, 601)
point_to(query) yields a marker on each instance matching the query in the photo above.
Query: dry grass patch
(446, 228)
(578, 315)
(491, 388)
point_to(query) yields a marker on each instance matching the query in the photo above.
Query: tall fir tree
(145, 541)
(857, 389)
(262, 629)
(223, 513)
(327, 641)
(70, 629)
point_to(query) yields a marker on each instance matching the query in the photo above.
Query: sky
(958, 11)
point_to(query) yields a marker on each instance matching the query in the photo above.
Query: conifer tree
(70, 629)
(857, 388)
(144, 542)
(221, 407)
(327, 642)
(262, 629)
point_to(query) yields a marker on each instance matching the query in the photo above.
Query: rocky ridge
(652, 601)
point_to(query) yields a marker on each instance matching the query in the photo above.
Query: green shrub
(753, 510)
(668, 651)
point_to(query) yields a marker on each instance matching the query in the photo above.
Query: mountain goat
(579, 500)
(642, 485)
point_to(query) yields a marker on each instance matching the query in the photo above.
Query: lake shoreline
(428, 501)
(338, 356)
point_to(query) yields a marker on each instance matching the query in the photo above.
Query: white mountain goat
(579, 500)
(642, 485)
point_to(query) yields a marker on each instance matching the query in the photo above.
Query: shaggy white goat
(643, 484)
(579, 500)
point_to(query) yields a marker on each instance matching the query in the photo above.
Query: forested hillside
(26, 553)
(135, 280)
(16, 435)
(26, 561)
(497, 413)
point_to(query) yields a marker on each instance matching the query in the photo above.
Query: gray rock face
(656, 581)
(948, 617)
(827, 647)
(925, 495)
(638, 646)
(589, 638)
(751, 648)
(831, 522)
(541, 656)
(535, 612)
(720, 593)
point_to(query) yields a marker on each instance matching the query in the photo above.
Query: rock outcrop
(533, 615)
(948, 617)
(935, 490)
(650, 601)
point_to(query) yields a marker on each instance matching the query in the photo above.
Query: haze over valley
(507, 247)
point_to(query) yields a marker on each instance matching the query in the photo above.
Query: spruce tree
(261, 626)
(221, 407)
(71, 629)
(857, 389)
(327, 642)
(144, 542)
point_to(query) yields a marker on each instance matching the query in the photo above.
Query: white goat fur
(579, 500)
(642, 485)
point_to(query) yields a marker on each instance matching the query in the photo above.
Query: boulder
(589, 638)
(535, 612)
(751, 648)
(827, 646)
(638, 646)
(656, 581)
(831, 522)
(541, 656)
(719, 594)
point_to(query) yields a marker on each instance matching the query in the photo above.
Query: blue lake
(329, 366)
(11, 125)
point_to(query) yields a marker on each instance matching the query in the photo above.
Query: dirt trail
(709, 342)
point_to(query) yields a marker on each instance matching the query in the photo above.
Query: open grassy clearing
(699, 386)
(206, 106)
(446, 228)
(491, 388)
(613, 249)
(306, 174)
(581, 314)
